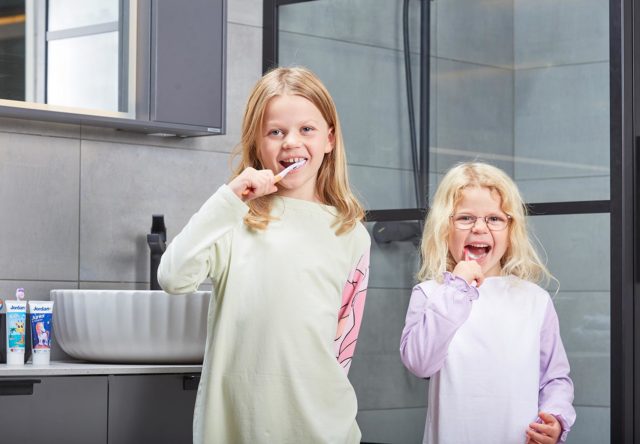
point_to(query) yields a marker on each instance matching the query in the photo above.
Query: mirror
(75, 56)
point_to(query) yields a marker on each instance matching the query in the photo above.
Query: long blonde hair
(520, 258)
(332, 184)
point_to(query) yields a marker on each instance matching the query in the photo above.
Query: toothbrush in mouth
(287, 170)
(283, 173)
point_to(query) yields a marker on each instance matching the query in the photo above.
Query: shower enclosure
(525, 85)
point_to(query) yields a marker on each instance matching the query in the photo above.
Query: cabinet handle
(190, 382)
(17, 387)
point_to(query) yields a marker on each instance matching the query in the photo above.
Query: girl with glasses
(479, 326)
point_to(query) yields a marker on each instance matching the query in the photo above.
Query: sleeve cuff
(461, 285)
(566, 428)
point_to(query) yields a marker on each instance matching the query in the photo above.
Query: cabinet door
(151, 408)
(188, 62)
(55, 409)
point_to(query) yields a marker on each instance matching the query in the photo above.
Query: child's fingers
(548, 418)
(541, 428)
(534, 437)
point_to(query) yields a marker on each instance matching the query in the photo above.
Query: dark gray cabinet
(113, 409)
(182, 65)
(151, 408)
(61, 409)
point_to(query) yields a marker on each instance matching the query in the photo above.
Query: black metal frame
(624, 26)
(624, 391)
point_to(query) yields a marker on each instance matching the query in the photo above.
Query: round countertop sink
(131, 326)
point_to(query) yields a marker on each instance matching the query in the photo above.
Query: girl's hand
(469, 271)
(546, 433)
(252, 183)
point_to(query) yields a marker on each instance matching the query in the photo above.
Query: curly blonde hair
(520, 258)
(332, 184)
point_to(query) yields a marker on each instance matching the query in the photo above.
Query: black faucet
(157, 241)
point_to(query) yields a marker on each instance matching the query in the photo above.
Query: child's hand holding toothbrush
(469, 270)
(252, 183)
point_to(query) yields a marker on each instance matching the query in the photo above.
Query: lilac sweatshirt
(491, 352)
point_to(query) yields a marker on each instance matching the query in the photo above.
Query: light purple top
(438, 311)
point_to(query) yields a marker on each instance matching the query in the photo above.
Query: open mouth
(477, 251)
(288, 162)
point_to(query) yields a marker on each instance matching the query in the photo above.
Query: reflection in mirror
(74, 54)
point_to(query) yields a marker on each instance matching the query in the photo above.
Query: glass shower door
(523, 85)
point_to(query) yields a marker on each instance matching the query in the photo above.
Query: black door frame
(624, 23)
(624, 40)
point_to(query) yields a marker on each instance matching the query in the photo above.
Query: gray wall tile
(478, 31)
(591, 376)
(566, 189)
(245, 12)
(549, 32)
(474, 113)
(577, 247)
(122, 186)
(392, 426)
(367, 22)
(585, 321)
(382, 382)
(593, 426)
(39, 206)
(382, 188)
(383, 321)
(394, 264)
(562, 121)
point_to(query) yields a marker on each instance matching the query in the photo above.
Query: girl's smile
(479, 242)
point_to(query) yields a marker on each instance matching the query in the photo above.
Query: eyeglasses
(493, 222)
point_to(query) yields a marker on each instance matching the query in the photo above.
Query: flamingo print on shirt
(351, 311)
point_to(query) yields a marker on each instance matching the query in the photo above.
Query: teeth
(479, 245)
(293, 160)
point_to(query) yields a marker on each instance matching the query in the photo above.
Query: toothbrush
(283, 173)
(19, 294)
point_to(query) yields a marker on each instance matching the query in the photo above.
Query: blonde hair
(332, 184)
(520, 258)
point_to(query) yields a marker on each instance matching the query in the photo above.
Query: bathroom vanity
(76, 402)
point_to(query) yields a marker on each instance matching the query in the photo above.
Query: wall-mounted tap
(157, 241)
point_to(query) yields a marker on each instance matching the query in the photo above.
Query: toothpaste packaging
(16, 322)
(40, 314)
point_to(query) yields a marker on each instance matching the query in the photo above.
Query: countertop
(69, 368)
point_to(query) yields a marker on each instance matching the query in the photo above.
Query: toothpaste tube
(16, 323)
(40, 314)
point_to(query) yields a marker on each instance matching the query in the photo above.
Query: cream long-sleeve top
(495, 358)
(283, 320)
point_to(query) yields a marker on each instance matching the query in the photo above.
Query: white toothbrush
(287, 170)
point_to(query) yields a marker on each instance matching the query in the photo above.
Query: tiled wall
(77, 201)
(561, 104)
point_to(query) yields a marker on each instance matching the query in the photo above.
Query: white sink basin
(131, 326)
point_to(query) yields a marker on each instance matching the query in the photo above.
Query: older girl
(289, 263)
